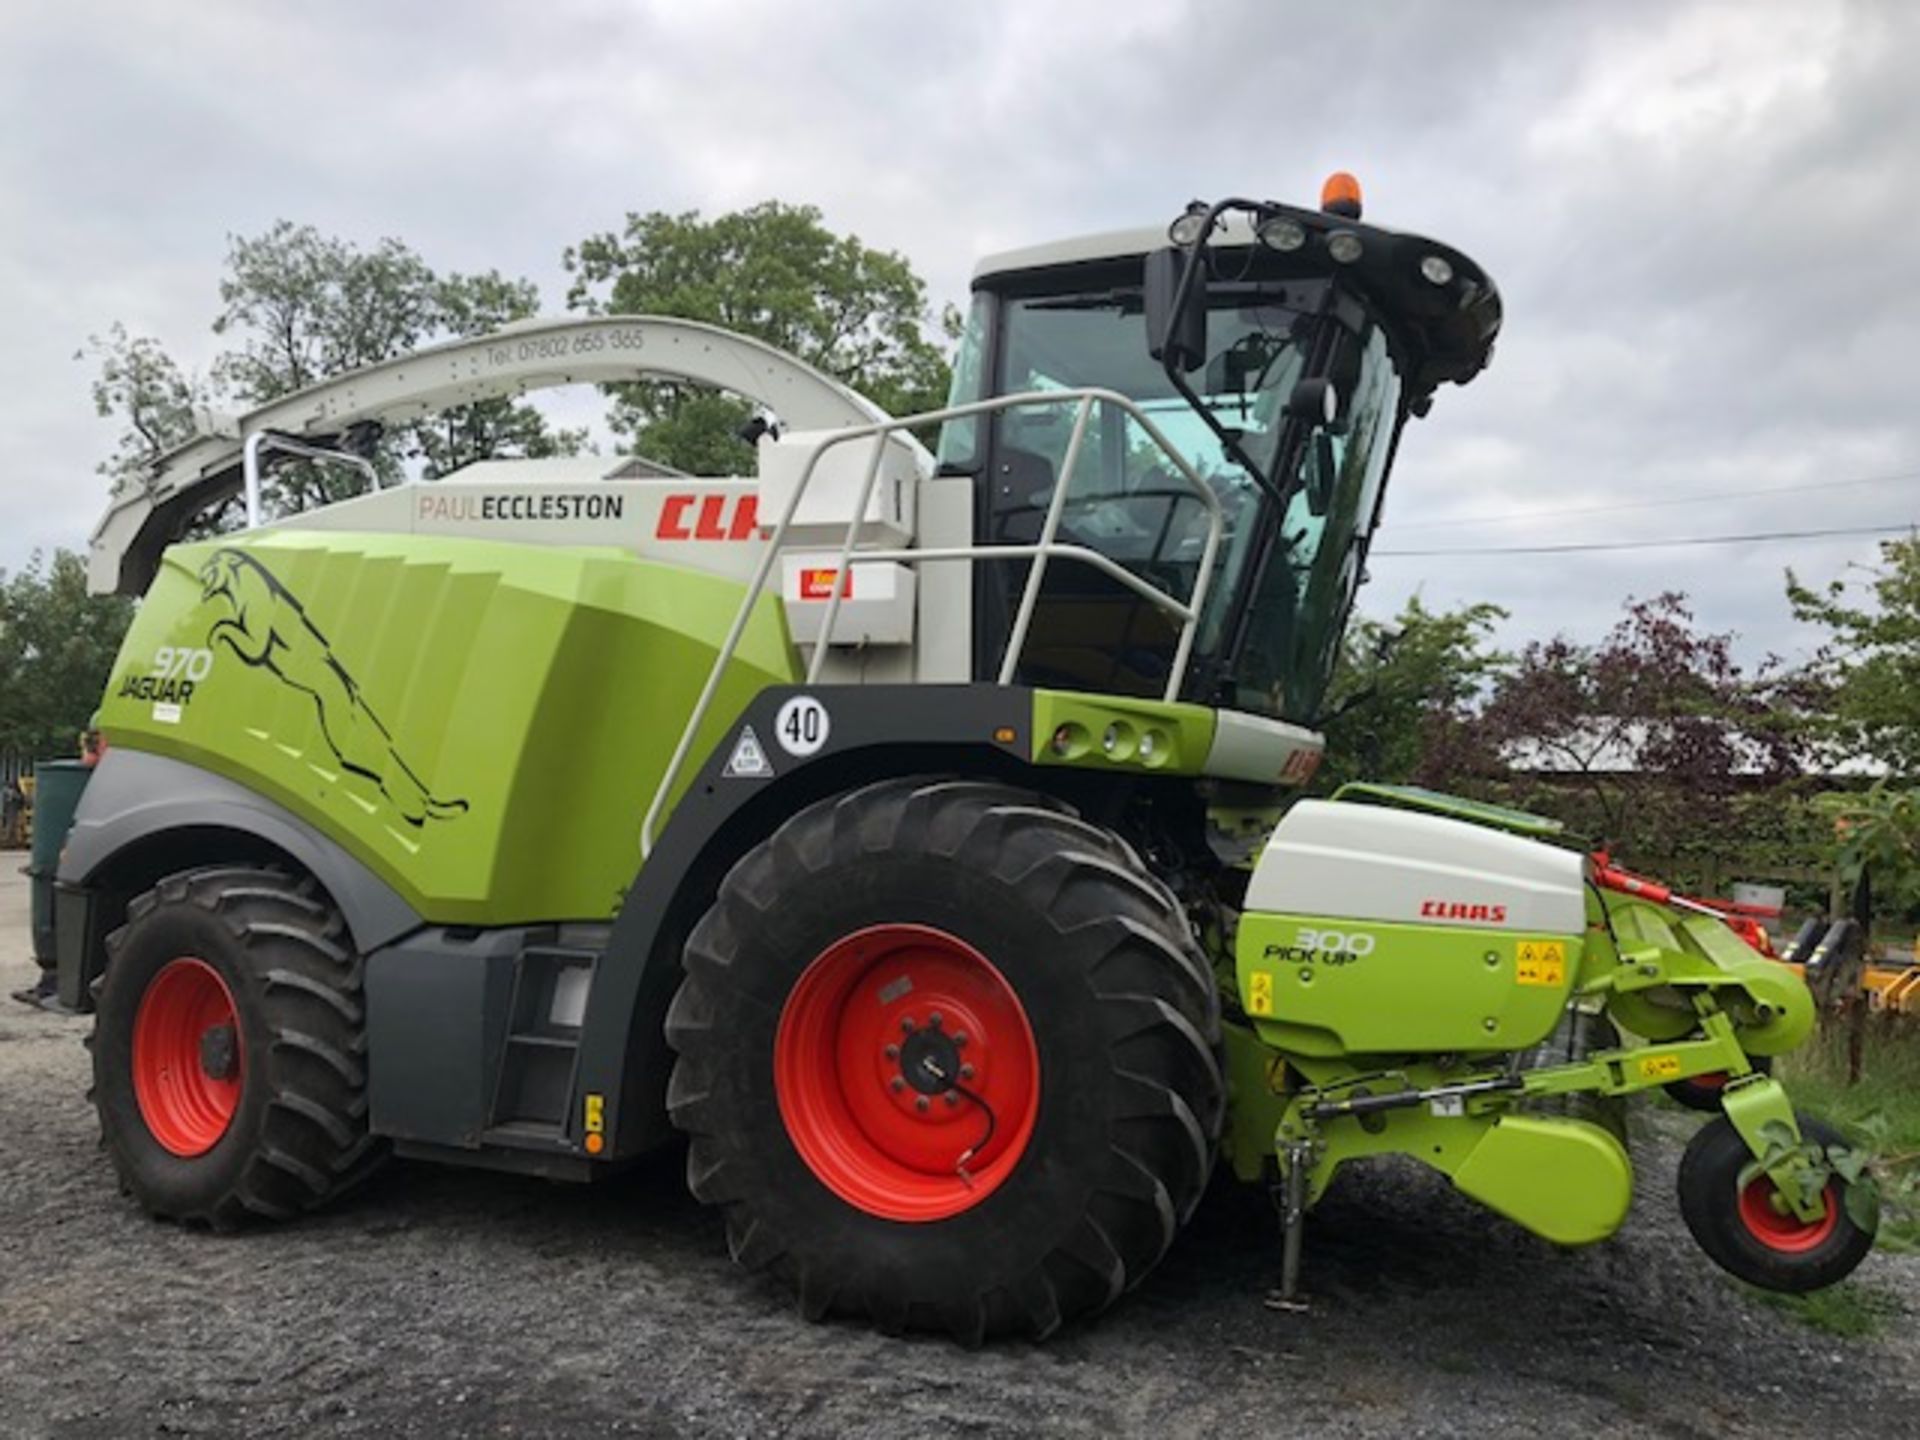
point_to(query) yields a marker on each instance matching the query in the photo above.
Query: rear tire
(229, 1049)
(1098, 1027)
(1741, 1232)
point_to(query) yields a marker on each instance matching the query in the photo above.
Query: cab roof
(1441, 331)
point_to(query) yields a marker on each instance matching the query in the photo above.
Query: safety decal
(802, 726)
(749, 758)
(1659, 1067)
(1541, 962)
(1260, 993)
(593, 1122)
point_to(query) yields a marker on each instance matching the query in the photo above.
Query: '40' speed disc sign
(802, 726)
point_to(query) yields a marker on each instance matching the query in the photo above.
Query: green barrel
(56, 795)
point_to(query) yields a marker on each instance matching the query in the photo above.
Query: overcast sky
(1701, 215)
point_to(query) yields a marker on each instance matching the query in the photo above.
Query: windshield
(1130, 504)
(1300, 600)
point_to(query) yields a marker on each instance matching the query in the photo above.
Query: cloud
(1696, 212)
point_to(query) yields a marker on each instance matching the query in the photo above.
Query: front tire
(229, 1049)
(1745, 1235)
(947, 1059)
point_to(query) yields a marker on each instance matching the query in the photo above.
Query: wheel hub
(188, 1060)
(930, 1061)
(1769, 1219)
(219, 1052)
(906, 1072)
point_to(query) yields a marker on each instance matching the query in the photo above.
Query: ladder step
(545, 1042)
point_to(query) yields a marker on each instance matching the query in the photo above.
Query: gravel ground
(448, 1302)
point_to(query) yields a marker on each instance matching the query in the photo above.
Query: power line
(1511, 516)
(1763, 537)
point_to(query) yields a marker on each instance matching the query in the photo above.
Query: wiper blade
(1122, 300)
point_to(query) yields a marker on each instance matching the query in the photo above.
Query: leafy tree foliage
(774, 272)
(1648, 740)
(138, 382)
(1400, 705)
(57, 644)
(1868, 671)
(297, 307)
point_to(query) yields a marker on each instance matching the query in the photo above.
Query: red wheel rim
(1714, 1080)
(886, 1048)
(187, 1108)
(1783, 1230)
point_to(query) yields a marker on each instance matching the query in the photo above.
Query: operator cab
(1280, 351)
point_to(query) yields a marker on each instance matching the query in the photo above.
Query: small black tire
(1702, 1092)
(1740, 1234)
(295, 1135)
(1123, 1011)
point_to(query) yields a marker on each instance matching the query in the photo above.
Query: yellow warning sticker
(1541, 962)
(1260, 993)
(595, 1119)
(1659, 1067)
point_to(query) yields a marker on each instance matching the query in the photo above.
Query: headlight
(1190, 228)
(1436, 269)
(1282, 233)
(1344, 246)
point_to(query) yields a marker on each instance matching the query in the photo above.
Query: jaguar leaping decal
(267, 628)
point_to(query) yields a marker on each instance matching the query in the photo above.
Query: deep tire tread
(310, 1140)
(1151, 998)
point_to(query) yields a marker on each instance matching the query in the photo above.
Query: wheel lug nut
(896, 1084)
(920, 1103)
(966, 1072)
(952, 1098)
(959, 1037)
(934, 1019)
(892, 1052)
(906, 1024)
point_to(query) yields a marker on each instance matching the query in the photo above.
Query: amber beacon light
(1340, 195)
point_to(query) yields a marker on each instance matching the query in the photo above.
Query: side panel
(1369, 862)
(1326, 985)
(436, 1022)
(481, 725)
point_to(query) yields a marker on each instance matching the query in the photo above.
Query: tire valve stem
(960, 1165)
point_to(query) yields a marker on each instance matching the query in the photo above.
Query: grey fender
(139, 804)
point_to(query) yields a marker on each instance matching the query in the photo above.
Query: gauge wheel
(1747, 1233)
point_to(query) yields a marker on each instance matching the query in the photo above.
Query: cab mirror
(1316, 401)
(1174, 338)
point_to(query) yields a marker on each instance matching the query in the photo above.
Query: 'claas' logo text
(1460, 910)
(719, 517)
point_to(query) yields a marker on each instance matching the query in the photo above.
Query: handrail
(1046, 548)
(287, 445)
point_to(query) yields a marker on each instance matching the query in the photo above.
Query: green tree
(297, 307)
(57, 644)
(1399, 707)
(138, 383)
(774, 272)
(487, 429)
(1865, 678)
